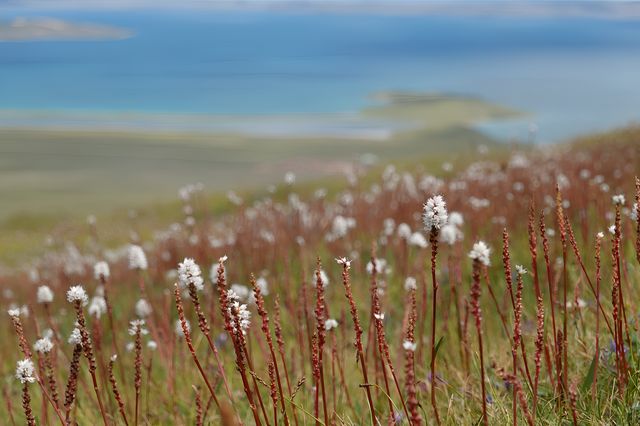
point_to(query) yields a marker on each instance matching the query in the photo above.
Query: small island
(50, 29)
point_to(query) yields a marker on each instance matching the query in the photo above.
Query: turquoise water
(572, 75)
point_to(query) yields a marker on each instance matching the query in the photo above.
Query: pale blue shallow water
(573, 75)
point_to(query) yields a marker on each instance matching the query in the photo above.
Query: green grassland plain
(52, 176)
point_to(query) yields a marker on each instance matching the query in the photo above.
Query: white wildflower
(14, 312)
(479, 203)
(521, 269)
(600, 235)
(25, 371)
(389, 226)
(410, 284)
(618, 199)
(289, 178)
(101, 271)
(340, 227)
(137, 258)
(344, 261)
(381, 266)
(98, 306)
(152, 345)
(76, 337)
(435, 213)
(77, 294)
(240, 315)
(189, 274)
(44, 294)
(480, 252)
(450, 234)
(612, 229)
(408, 345)
(324, 279)
(143, 308)
(418, 240)
(379, 316)
(136, 326)
(43, 345)
(330, 324)
(404, 231)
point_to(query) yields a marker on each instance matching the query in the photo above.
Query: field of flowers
(500, 292)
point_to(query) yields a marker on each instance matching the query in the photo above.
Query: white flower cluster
(481, 252)
(410, 284)
(189, 274)
(451, 233)
(238, 310)
(418, 240)
(44, 294)
(98, 306)
(340, 227)
(344, 261)
(618, 199)
(330, 324)
(324, 279)
(143, 308)
(137, 258)
(43, 345)
(76, 337)
(137, 326)
(101, 271)
(380, 268)
(435, 214)
(25, 371)
(408, 345)
(77, 294)
(521, 270)
(404, 231)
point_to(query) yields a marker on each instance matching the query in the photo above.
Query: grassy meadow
(52, 178)
(365, 300)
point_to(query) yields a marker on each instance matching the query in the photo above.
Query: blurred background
(105, 104)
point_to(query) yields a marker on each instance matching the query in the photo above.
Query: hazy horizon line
(507, 8)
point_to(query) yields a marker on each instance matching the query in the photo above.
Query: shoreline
(387, 114)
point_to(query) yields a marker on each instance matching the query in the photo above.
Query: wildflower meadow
(494, 291)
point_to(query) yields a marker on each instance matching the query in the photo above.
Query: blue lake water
(573, 75)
